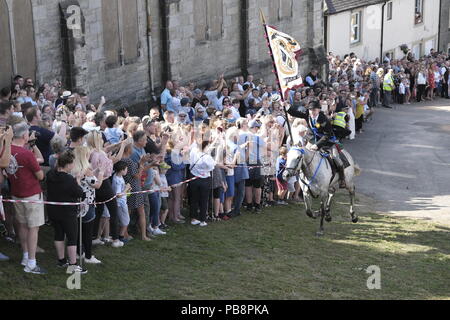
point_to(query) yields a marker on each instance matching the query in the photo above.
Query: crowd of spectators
(213, 150)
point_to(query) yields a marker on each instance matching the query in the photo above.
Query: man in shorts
(253, 186)
(25, 174)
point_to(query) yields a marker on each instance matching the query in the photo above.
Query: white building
(372, 28)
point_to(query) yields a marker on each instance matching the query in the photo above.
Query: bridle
(297, 161)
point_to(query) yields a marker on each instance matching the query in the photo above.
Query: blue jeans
(155, 207)
(239, 194)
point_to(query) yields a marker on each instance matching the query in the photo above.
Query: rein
(302, 151)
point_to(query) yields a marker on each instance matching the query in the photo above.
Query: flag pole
(263, 20)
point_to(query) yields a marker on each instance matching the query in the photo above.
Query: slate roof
(336, 6)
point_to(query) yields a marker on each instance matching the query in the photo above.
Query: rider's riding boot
(342, 184)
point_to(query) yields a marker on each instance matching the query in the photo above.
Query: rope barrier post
(81, 242)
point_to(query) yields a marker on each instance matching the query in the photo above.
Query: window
(120, 31)
(355, 27)
(208, 17)
(286, 8)
(389, 11)
(418, 13)
(417, 50)
(279, 10)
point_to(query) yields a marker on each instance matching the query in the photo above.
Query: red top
(431, 80)
(21, 173)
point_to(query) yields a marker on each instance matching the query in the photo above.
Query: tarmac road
(404, 155)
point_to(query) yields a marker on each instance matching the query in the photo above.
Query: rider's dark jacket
(323, 130)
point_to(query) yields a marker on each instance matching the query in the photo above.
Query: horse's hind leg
(328, 217)
(353, 214)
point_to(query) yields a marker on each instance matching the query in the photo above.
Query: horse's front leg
(320, 233)
(308, 203)
(353, 214)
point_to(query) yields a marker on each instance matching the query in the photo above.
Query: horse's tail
(357, 170)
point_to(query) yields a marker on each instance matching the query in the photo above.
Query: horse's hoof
(310, 214)
(328, 219)
(355, 220)
(319, 233)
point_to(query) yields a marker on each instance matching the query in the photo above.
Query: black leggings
(66, 227)
(199, 191)
(420, 92)
(86, 238)
(103, 194)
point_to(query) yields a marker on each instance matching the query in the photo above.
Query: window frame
(358, 24)
(389, 11)
(418, 20)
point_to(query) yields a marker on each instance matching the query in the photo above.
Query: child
(113, 133)
(281, 183)
(360, 103)
(120, 188)
(165, 189)
(402, 91)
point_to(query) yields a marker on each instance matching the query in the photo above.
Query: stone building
(126, 49)
(444, 26)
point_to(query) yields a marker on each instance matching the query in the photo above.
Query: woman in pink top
(100, 160)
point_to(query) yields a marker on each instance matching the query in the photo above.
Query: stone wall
(444, 34)
(192, 40)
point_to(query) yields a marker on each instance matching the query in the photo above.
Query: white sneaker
(117, 244)
(195, 222)
(97, 242)
(203, 224)
(92, 260)
(158, 232)
(107, 240)
(150, 229)
(72, 269)
(24, 262)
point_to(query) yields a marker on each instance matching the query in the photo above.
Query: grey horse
(318, 181)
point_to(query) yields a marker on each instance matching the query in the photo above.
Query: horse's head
(293, 162)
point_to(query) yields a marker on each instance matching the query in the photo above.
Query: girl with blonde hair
(89, 182)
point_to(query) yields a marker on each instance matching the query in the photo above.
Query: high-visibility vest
(388, 83)
(339, 120)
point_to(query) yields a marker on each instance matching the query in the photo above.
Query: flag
(285, 51)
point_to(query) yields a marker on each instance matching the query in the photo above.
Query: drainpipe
(440, 27)
(165, 55)
(382, 32)
(150, 48)
(244, 37)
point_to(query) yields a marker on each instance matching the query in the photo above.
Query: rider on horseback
(322, 134)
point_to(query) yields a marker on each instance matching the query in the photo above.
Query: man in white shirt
(213, 92)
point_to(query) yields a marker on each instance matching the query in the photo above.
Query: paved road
(404, 154)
